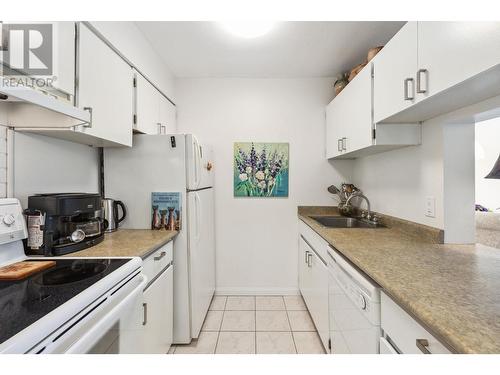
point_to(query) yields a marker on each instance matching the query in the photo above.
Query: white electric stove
(80, 305)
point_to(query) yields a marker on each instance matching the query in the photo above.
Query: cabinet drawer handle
(421, 90)
(423, 344)
(145, 314)
(339, 144)
(162, 254)
(406, 89)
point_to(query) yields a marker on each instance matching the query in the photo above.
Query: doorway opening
(487, 182)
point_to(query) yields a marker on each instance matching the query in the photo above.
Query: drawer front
(405, 332)
(157, 261)
(319, 245)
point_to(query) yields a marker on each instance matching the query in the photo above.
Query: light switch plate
(430, 207)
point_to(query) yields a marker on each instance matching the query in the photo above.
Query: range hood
(29, 108)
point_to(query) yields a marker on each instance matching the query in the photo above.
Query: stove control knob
(9, 219)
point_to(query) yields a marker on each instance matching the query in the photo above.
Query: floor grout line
(255, 317)
(255, 331)
(291, 331)
(220, 327)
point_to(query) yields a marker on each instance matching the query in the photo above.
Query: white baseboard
(257, 291)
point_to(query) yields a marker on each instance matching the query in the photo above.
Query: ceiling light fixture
(247, 28)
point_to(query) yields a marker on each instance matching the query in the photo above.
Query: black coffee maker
(63, 223)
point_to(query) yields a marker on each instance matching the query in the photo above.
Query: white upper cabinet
(333, 132)
(147, 112)
(168, 115)
(155, 114)
(395, 67)
(349, 117)
(105, 84)
(350, 130)
(64, 58)
(452, 52)
(431, 68)
(359, 123)
(62, 77)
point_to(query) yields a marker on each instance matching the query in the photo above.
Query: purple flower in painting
(253, 157)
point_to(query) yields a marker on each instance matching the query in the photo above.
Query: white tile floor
(255, 325)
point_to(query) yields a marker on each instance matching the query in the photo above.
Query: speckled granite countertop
(128, 243)
(453, 290)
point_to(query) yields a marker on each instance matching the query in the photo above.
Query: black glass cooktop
(25, 301)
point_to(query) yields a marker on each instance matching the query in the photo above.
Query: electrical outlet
(430, 207)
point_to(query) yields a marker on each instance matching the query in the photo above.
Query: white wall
(257, 238)
(132, 43)
(398, 182)
(487, 152)
(48, 165)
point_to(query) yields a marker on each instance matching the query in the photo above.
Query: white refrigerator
(172, 163)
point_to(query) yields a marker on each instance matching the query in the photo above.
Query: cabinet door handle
(339, 144)
(421, 90)
(344, 144)
(162, 254)
(306, 254)
(423, 345)
(159, 127)
(145, 314)
(406, 89)
(89, 124)
(309, 260)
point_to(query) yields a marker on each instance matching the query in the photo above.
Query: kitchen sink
(345, 222)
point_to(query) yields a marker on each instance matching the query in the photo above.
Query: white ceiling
(291, 49)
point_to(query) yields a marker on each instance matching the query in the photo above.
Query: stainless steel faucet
(361, 195)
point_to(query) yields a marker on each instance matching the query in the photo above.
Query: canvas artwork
(166, 211)
(260, 169)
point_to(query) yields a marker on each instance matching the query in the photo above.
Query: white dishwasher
(354, 308)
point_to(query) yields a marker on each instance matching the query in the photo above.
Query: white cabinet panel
(358, 121)
(158, 316)
(168, 115)
(147, 100)
(405, 332)
(452, 52)
(64, 57)
(394, 67)
(154, 112)
(333, 131)
(349, 117)
(319, 298)
(105, 83)
(313, 284)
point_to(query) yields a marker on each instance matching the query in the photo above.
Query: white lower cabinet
(403, 334)
(313, 284)
(158, 314)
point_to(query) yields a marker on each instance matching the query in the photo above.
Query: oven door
(109, 325)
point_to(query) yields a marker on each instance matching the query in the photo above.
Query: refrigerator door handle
(196, 155)
(198, 216)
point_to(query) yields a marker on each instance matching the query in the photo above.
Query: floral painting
(260, 169)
